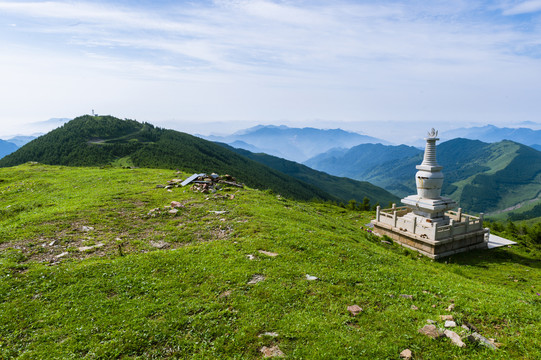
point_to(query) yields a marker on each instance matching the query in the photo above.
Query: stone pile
(211, 183)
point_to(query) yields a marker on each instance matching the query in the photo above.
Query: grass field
(87, 270)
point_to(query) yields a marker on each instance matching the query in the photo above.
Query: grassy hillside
(103, 140)
(342, 188)
(482, 177)
(87, 270)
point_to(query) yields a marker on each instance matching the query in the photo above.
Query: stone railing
(459, 223)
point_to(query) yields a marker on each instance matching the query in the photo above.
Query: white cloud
(525, 7)
(266, 60)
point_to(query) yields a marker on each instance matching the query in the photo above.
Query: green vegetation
(529, 235)
(82, 275)
(342, 188)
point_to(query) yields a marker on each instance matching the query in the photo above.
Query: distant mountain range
(357, 161)
(104, 140)
(21, 140)
(481, 177)
(297, 144)
(7, 147)
(491, 134)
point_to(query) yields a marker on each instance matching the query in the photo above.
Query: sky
(390, 69)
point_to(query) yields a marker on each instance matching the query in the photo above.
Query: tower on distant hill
(426, 223)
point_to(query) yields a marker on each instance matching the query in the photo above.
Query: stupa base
(434, 249)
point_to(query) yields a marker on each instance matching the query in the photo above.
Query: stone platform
(463, 233)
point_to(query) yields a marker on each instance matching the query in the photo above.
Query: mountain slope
(6, 148)
(481, 177)
(340, 187)
(295, 143)
(356, 161)
(90, 140)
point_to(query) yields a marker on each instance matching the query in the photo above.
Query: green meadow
(94, 265)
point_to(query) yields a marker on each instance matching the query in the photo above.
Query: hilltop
(95, 264)
(105, 140)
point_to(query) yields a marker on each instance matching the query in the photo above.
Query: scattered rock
(386, 242)
(406, 354)
(250, 257)
(471, 327)
(173, 211)
(61, 255)
(271, 352)
(226, 293)
(406, 296)
(86, 228)
(465, 327)
(454, 338)
(52, 243)
(431, 331)
(430, 321)
(268, 253)
(159, 244)
(255, 279)
(231, 197)
(85, 248)
(446, 317)
(176, 204)
(159, 186)
(451, 307)
(219, 212)
(311, 278)
(355, 309)
(413, 307)
(476, 337)
(271, 334)
(450, 323)
(493, 341)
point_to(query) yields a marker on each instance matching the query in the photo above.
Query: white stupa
(426, 223)
(428, 205)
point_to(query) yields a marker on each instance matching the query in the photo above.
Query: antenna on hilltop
(93, 112)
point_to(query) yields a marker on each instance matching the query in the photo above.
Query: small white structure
(426, 223)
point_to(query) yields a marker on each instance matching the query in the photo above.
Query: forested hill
(103, 140)
(341, 187)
